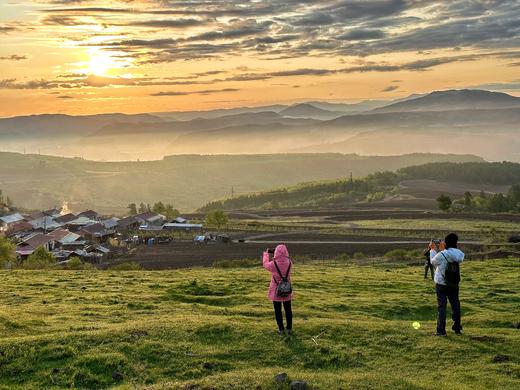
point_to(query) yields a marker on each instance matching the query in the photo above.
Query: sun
(101, 63)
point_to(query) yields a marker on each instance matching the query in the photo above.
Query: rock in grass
(499, 358)
(117, 376)
(299, 385)
(191, 386)
(281, 378)
(517, 325)
(209, 366)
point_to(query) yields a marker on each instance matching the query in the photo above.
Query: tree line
(380, 184)
(160, 208)
(494, 203)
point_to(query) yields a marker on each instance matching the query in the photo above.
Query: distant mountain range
(465, 99)
(454, 121)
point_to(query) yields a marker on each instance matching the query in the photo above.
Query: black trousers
(445, 294)
(278, 314)
(426, 268)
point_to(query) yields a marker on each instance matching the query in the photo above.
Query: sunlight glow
(101, 63)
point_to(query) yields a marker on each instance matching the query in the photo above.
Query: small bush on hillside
(7, 252)
(40, 259)
(75, 263)
(344, 257)
(359, 255)
(131, 266)
(397, 254)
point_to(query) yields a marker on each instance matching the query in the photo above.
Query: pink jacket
(281, 256)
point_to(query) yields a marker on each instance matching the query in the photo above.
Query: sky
(88, 56)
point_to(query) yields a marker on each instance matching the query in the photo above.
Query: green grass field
(215, 328)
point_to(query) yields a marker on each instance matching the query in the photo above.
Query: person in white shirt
(446, 288)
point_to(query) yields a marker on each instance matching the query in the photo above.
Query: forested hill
(374, 187)
(185, 181)
(499, 173)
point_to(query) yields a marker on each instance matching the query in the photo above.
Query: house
(62, 255)
(79, 223)
(18, 228)
(128, 223)
(65, 218)
(52, 213)
(7, 220)
(182, 226)
(33, 242)
(150, 218)
(96, 231)
(44, 223)
(91, 214)
(111, 223)
(35, 215)
(64, 237)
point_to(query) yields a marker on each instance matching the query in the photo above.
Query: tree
(468, 199)
(498, 203)
(158, 208)
(132, 208)
(216, 218)
(40, 259)
(7, 252)
(170, 213)
(444, 202)
(142, 208)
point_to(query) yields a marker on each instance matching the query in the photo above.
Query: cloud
(78, 80)
(171, 23)
(511, 86)
(14, 57)
(390, 88)
(7, 29)
(361, 34)
(204, 92)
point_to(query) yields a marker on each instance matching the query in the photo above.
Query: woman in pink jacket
(280, 258)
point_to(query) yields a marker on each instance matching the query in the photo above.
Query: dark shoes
(282, 332)
(458, 331)
(440, 334)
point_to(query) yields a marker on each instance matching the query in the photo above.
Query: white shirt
(439, 262)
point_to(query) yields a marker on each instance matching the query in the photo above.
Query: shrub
(40, 259)
(359, 255)
(75, 263)
(397, 254)
(129, 266)
(7, 252)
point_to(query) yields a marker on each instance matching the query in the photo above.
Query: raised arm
(435, 258)
(268, 265)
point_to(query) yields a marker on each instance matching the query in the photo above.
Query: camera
(270, 251)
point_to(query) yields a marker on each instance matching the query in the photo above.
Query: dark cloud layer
(298, 28)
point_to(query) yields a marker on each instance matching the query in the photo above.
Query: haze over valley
(455, 121)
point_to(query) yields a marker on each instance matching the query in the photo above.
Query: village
(90, 236)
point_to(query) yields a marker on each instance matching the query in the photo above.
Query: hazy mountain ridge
(464, 99)
(301, 127)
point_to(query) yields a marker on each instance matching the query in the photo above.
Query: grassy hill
(375, 187)
(214, 328)
(186, 181)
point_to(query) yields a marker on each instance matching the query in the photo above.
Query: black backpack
(452, 273)
(284, 287)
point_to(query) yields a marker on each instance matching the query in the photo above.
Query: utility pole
(232, 191)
